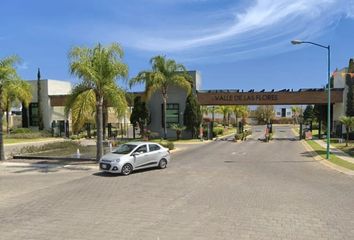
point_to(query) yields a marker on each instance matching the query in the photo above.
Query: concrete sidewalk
(339, 153)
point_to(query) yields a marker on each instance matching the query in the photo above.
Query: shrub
(238, 136)
(218, 131)
(74, 137)
(21, 130)
(242, 136)
(51, 146)
(167, 144)
(29, 134)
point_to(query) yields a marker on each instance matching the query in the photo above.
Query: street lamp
(295, 42)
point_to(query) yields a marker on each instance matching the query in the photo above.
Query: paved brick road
(221, 190)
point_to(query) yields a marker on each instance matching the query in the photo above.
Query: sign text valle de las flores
(241, 98)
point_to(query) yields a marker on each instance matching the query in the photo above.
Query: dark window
(153, 147)
(124, 149)
(33, 114)
(283, 112)
(142, 149)
(172, 113)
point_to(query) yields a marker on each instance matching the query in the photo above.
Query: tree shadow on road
(108, 174)
(311, 154)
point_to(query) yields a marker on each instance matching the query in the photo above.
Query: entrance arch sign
(301, 97)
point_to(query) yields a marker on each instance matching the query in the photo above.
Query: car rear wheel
(127, 169)
(162, 164)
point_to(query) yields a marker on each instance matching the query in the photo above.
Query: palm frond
(83, 109)
(75, 94)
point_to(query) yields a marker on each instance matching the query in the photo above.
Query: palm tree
(164, 73)
(296, 113)
(205, 110)
(348, 122)
(179, 129)
(7, 74)
(239, 111)
(224, 110)
(98, 67)
(16, 91)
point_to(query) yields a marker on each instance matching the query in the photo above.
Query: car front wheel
(127, 169)
(162, 164)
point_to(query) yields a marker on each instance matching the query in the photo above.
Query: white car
(133, 156)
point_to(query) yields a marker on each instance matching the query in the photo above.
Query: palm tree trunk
(236, 119)
(7, 120)
(164, 116)
(2, 150)
(347, 137)
(99, 144)
(104, 121)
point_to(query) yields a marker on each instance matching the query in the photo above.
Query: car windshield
(124, 149)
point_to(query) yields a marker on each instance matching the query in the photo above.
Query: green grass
(341, 146)
(333, 158)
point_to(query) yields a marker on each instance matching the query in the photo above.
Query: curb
(324, 161)
(51, 165)
(52, 158)
(295, 132)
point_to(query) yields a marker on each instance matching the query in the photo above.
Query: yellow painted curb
(296, 133)
(325, 161)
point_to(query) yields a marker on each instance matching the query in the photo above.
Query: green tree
(265, 113)
(39, 101)
(192, 116)
(296, 111)
(239, 111)
(8, 73)
(348, 122)
(15, 92)
(179, 129)
(164, 73)
(309, 114)
(351, 66)
(350, 100)
(98, 68)
(140, 115)
(205, 110)
(224, 110)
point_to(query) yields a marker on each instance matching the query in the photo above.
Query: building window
(172, 113)
(283, 112)
(33, 114)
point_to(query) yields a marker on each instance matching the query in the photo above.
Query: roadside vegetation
(98, 68)
(333, 158)
(12, 91)
(342, 146)
(165, 72)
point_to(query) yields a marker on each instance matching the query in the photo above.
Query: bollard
(78, 153)
(110, 147)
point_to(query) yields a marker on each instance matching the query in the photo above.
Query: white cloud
(262, 25)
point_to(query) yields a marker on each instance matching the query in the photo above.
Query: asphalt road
(220, 190)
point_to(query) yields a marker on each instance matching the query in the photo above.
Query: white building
(50, 111)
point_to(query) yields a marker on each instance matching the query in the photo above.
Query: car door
(141, 157)
(155, 154)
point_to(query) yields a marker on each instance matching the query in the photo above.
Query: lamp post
(295, 42)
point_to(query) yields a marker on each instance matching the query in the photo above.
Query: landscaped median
(333, 158)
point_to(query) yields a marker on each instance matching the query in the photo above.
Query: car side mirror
(135, 153)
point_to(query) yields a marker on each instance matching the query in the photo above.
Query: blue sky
(234, 44)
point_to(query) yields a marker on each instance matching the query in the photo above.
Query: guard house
(50, 110)
(176, 104)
